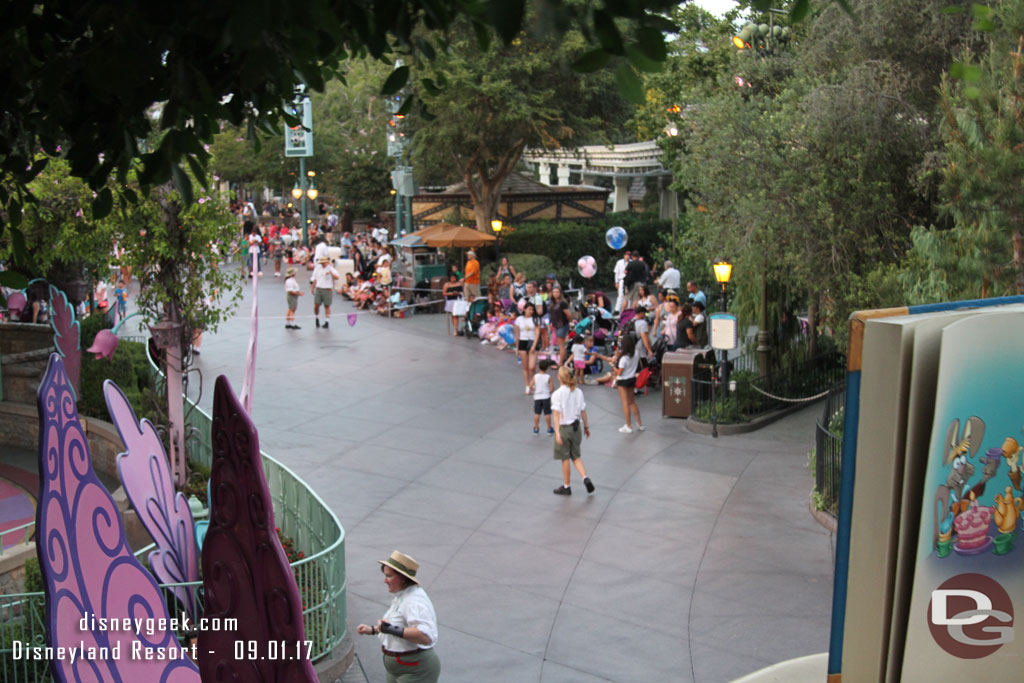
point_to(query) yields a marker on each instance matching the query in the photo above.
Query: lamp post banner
(724, 331)
(298, 142)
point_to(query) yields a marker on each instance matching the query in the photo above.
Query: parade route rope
(790, 400)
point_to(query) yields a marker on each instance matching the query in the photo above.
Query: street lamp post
(300, 192)
(496, 226)
(723, 272)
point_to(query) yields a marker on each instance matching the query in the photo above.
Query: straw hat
(323, 259)
(403, 564)
(290, 272)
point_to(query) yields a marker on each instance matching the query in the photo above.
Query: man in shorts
(322, 285)
(471, 281)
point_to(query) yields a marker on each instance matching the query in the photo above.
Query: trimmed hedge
(564, 243)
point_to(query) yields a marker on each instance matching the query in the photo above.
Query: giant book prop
(91, 578)
(893, 367)
(246, 574)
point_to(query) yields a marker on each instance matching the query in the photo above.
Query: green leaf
(800, 10)
(431, 87)
(651, 42)
(483, 36)
(507, 17)
(608, 33)
(13, 280)
(641, 61)
(396, 81)
(102, 204)
(182, 183)
(972, 92)
(197, 169)
(18, 243)
(406, 105)
(591, 61)
(629, 83)
(952, 9)
(425, 48)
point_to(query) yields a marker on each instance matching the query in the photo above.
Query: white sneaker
(640, 428)
(625, 429)
(526, 390)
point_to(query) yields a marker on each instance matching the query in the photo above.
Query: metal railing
(828, 450)
(29, 529)
(749, 395)
(299, 513)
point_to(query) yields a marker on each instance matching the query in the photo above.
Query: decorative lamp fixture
(297, 192)
(723, 271)
(312, 192)
(496, 225)
(738, 42)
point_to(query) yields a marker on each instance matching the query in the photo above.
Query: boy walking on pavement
(322, 286)
(292, 292)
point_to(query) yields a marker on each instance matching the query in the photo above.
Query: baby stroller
(475, 317)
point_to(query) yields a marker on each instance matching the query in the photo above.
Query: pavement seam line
(696, 576)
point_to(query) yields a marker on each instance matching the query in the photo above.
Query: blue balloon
(616, 237)
(506, 333)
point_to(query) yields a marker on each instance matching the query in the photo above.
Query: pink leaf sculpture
(87, 567)
(66, 335)
(165, 514)
(246, 575)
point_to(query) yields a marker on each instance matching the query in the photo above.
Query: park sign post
(298, 142)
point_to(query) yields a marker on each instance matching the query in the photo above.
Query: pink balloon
(521, 305)
(587, 266)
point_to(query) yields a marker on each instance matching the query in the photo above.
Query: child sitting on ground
(541, 386)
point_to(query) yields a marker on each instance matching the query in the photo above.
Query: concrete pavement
(695, 560)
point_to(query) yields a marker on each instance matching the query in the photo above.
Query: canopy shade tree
(983, 130)
(495, 103)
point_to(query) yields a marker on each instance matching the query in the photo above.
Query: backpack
(642, 378)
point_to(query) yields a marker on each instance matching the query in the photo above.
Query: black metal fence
(828, 450)
(749, 395)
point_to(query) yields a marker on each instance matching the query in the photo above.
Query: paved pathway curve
(695, 559)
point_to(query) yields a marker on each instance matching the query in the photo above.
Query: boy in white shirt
(292, 292)
(541, 386)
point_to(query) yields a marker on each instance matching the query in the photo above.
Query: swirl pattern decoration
(90, 575)
(144, 471)
(246, 575)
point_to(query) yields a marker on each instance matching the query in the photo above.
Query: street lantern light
(312, 192)
(297, 192)
(723, 271)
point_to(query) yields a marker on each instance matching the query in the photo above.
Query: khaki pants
(422, 667)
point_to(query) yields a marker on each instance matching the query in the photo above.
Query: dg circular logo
(970, 616)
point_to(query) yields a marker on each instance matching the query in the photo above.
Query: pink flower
(78, 214)
(203, 200)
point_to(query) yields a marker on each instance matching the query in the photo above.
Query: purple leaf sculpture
(89, 572)
(165, 514)
(66, 335)
(246, 575)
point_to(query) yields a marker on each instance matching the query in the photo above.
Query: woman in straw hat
(408, 630)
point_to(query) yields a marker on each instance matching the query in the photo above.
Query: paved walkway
(695, 559)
